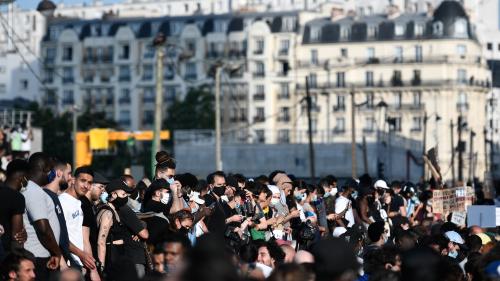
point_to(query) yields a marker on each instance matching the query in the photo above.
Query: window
(417, 98)
(399, 29)
(147, 72)
(313, 80)
(284, 91)
(124, 52)
(369, 125)
(461, 28)
(259, 69)
(340, 79)
(68, 75)
(343, 52)
(416, 81)
(315, 33)
(370, 52)
(124, 74)
(23, 84)
(288, 24)
(220, 26)
(284, 47)
(419, 29)
(489, 46)
(340, 106)
(345, 32)
(260, 136)
(124, 96)
(186, 8)
(395, 124)
(3, 88)
(49, 75)
(191, 71)
(191, 46)
(259, 46)
(461, 50)
(148, 117)
(372, 31)
(260, 115)
(149, 95)
(124, 118)
(284, 114)
(67, 53)
(398, 53)
(314, 126)
(339, 125)
(462, 76)
(259, 92)
(398, 99)
(369, 79)
(370, 98)
(437, 28)
(462, 103)
(50, 55)
(149, 52)
(397, 79)
(175, 28)
(284, 136)
(418, 53)
(110, 96)
(416, 124)
(68, 97)
(168, 72)
(314, 57)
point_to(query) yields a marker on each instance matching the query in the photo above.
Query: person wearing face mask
(454, 244)
(118, 245)
(280, 216)
(157, 201)
(378, 235)
(343, 205)
(216, 223)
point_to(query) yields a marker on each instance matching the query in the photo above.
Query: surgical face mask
(104, 197)
(326, 195)
(165, 198)
(300, 196)
(453, 254)
(334, 191)
(195, 209)
(314, 198)
(275, 201)
(171, 180)
(224, 198)
(354, 195)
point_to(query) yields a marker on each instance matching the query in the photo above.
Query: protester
(19, 265)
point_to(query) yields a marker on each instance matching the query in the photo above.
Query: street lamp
(158, 43)
(45, 7)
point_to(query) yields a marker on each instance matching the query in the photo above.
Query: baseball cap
(454, 237)
(118, 184)
(274, 189)
(381, 184)
(485, 239)
(158, 184)
(99, 178)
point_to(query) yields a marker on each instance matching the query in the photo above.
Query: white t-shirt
(73, 215)
(26, 144)
(340, 205)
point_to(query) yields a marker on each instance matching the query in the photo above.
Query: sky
(31, 4)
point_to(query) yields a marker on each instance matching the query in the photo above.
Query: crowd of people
(62, 225)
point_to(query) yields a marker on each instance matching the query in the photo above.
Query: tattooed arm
(106, 221)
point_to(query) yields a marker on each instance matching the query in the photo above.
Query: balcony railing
(402, 84)
(259, 74)
(124, 78)
(260, 96)
(283, 52)
(124, 100)
(67, 80)
(285, 118)
(258, 119)
(237, 53)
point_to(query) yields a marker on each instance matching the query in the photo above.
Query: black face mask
(219, 190)
(135, 194)
(63, 186)
(183, 231)
(120, 202)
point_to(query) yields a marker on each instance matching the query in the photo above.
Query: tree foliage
(196, 111)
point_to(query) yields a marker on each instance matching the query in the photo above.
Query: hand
(136, 238)
(2, 230)
(332, 217)
(295, 213)
(87, 260)
(94, 276)
(176, 187)
(53, 262)
(21, 236)
(235, 218)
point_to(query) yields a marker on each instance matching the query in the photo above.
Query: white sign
(458, 218)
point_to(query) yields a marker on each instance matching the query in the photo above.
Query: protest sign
(458, 218)
(445, 201)
(483, 216)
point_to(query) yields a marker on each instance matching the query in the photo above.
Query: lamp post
(158, 43)
(424, 141)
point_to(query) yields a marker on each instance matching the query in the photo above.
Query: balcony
(259, 119)
(259, 96)
(284, 119)
(68, 101)
(283, 52)
(105, 79)
(124, 100)
(396, 81)
(214, 54)
(416, 130)
(49, 60)
(67, 80)
(190, 76)
(259, 74)
(368, 130)
(258, 52)
(148, 99)
(284, 96)
(124, 78)
(416, 81)
(373, 60)
(339, 108)
(236, 54)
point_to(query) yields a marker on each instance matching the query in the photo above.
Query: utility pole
(327, 93)
(471, 156)
(353, 135)
(218, 153)
(75, 129)
(311, 147)
(460, 150)
(424, 143)
(485, 132)
(365, 156)
(158, 42)
(452, 153)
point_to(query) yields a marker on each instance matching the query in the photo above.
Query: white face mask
(224, 198)
(165, 198)
(195, 209)
(275, 201)
(334, 191)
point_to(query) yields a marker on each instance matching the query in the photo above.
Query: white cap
(195, 196)
(274, 189)
(454, 237)
(381, 184)
(339, 231)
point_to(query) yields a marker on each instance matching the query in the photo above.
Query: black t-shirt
(89, 220)
(158, 227)
(134, 250)
(396, 202)
(216, 223)
(11, 203)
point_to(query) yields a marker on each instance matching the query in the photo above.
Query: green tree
(196, 111)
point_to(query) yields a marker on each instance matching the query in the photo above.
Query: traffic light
(380, 169)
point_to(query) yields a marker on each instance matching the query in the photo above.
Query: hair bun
(162, 156)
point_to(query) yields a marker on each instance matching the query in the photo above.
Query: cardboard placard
(459, 218)
(445, 201)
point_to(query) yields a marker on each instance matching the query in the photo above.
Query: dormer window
(437, 28)
(461, 28)
(419, 29)
(315, 33)
(220, 26)
(288, 24)
(372, 31)
(399, 30)
(345, 32)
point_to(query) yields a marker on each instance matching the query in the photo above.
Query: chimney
(337, 13)
(393, 12)
(430, 10)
